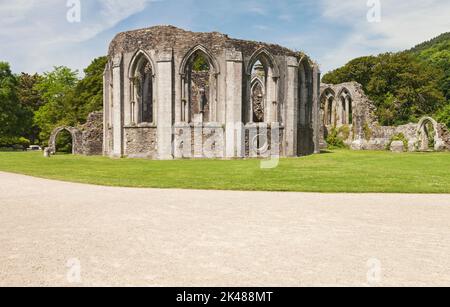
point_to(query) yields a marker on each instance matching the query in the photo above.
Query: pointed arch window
(142, 100)
(199, 72)
(262, 66)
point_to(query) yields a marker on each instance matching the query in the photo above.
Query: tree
(437, 53)
(67, 101)
(29, 96)
(443, 116)
(402, 86)
(11, 112)
(30, 101)
(359, 70)
(89, 91)
(57, 91)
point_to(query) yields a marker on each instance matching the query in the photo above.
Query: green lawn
(337, 171)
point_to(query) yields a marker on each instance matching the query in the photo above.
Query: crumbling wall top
(164, 38)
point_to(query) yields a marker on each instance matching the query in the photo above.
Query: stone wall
(444, 134)
(260, 141)
(140, 142)
(199, 141)
(86, 139)
(92, 135)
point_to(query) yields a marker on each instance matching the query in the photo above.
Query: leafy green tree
(407, 86)
(29, 96)
(89, 91)
(30, 100)
(57, 91)
(359, 70)
(443, 116)
(437, 53)
(200, 63)
(66, 99)
(11, 112)
(402, 86)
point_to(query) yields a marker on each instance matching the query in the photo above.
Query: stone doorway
(76, 139)
(427, 134)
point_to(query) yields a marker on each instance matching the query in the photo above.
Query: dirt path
(56, 233)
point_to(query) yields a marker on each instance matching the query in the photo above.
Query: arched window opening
(199, 88)
(305, 93)
(346, 117)
(350, 112)
(258, 99)
(199, 74)
(262, 102)
(343, 111)
(142, 107)
(329, 109)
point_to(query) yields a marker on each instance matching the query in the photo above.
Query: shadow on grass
(326, 152)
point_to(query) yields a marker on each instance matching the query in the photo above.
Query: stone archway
(425, 136)
(77, 139)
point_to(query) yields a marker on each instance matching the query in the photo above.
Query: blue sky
(35, 34)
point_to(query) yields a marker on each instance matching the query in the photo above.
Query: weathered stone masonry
(346, 108)
(245, 99)
(152, 94)
(86, 139)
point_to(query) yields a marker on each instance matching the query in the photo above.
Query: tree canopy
(56, 89)
(31, 106)
(12, 115)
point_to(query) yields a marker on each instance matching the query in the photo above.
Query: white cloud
(403, 25)
(34, 35)
(14, 11)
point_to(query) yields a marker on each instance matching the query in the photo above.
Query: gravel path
(56, 233)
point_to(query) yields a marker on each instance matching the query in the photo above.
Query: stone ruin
(174, 94)
(86, 139)
(346, 108)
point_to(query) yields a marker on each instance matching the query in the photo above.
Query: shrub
(334, 140)
(25, 143)
(443, 116)
(367, 132)
(344, 132)
(14, 143)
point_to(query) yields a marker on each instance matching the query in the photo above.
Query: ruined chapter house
(170, 93)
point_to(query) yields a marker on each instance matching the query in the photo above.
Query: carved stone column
(233, 103)
(165, 107)
(117, 115)
(316, 108)
(291, 107)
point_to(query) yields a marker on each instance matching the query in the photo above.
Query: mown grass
(336, 171)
